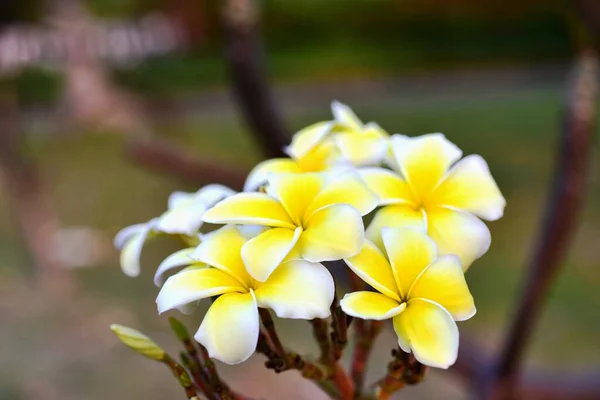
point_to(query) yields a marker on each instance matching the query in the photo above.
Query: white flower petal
(306, 139)
(344, 115)
(230, 328)
(132, 251)
(195, 284)
(127, 233)
(298, 290)
(184, 219)
(180, 258)
(259, 174)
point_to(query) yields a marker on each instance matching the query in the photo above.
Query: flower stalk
(365, 338)
(201, 367)
(403, 370)
(339, 334)
(321, 334)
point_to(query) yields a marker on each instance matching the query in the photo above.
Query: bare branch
(166, 157)
(245, 57)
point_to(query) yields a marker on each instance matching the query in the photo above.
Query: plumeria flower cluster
(272, 243)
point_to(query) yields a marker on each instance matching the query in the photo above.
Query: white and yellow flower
(297, 289)
(311, 217)
(427, 190)
(325, 157)
(422, 292)
(361, 144)
(183, 217)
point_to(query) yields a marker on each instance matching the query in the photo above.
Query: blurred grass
(93, 184)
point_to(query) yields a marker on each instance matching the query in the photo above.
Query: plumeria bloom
(361, 144)
(423, 294)
(427, 190)
(312, 217)
(297, 289)
(319, 159)
(183, 217)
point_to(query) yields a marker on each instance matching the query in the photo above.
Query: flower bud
(138, 342)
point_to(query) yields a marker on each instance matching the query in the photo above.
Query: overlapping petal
(332, 233)
(230, 328)
(389, 186)
(320, 158)
(263, 254)
(469, 186)
(371, 305)
(458, 232)
(394, 216)
(249, 208)
(185, 219)
(222, 250)
(345, 116)
(410, 251)
(362, 149)
(372, 266)
(296, 192)
(444, 283)
(307, 138)
(127, 233)
(430, 332)
(299, 290)
(180, 258)
(424, 160)
(131, 250)
(259, 174)
(195, 284)
(347, 187)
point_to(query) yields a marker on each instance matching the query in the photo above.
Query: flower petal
(424, 160)
(469, 186)
(332, 233)
(460, 233)
(410, 251)
(371, 305)
(344, 115)
(430, 332)
(132, 251)
(230, 328)
(180, 258)
(444, 283)
(263, 254)
(249, 208)
(394, 216)
(362, 148)
(373, 267)
(127, 233)
(258, 176)
(307, 138)
(322, 157)
(185, 219)
(210, 194)
(296, 192)
(389, 186)
(222, 249)
(178, 199)
(298, 290)
(345, 188)
(195, 284)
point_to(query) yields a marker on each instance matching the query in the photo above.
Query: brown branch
(403, 370)
(566, 199)
(166, 157)
(182, 376)
(321, 333)
(244, 54)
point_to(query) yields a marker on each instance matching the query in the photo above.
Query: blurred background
(107, 106)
